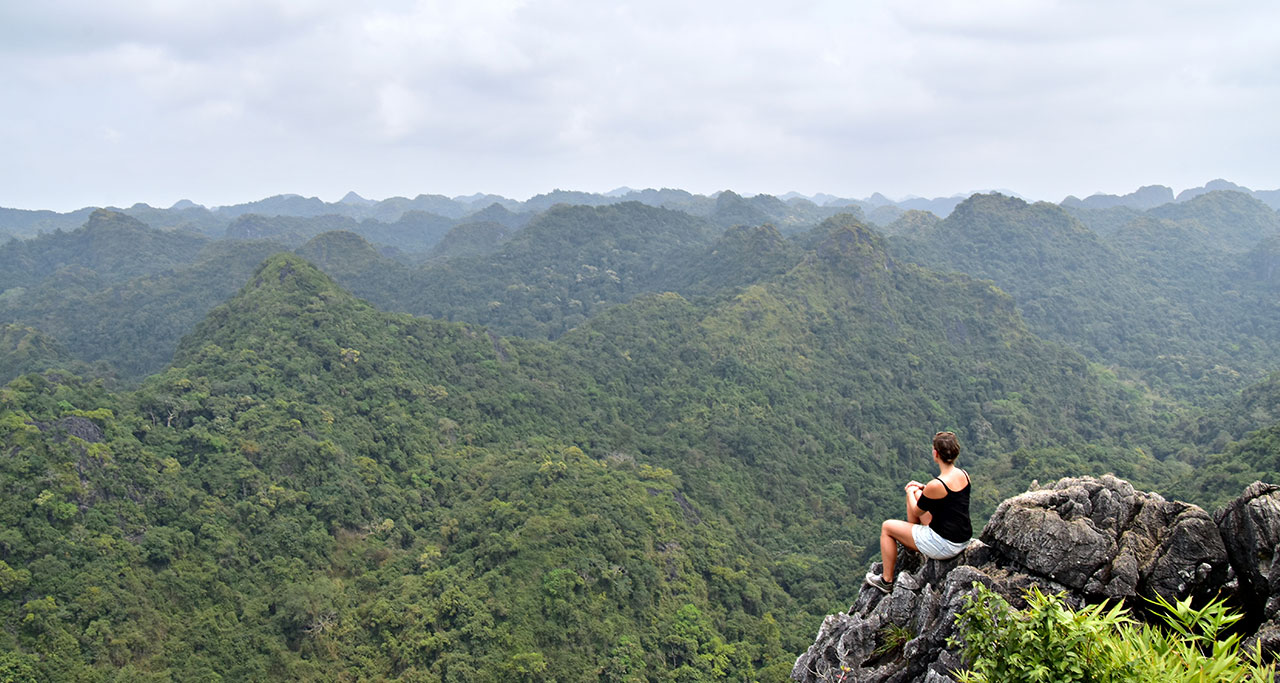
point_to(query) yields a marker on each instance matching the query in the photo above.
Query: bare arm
(913, 502)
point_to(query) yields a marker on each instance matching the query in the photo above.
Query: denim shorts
(933, 546)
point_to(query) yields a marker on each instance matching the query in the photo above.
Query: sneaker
(877, 582)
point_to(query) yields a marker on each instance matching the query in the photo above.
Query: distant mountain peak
(1145, 197)
(1221, 184)
(290, 274)
(342, 240)
(353, 199)
(1211, 186)
(849, 240)
(102, 219)
(285, 296)
(993, 200)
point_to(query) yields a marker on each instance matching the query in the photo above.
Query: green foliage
(1049, 641)
(1223, 476)
(1046, 642)
(1162, 300)
(24, 349)
(350, 490)
(108, 246)
(1233, 221)
(282, 506)
(892, 637)
(742, 256)
(471, 239)
(134, 324)
(672, 490)
(565, 266)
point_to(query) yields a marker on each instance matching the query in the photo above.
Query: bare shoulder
(935, 489)
(957, 479)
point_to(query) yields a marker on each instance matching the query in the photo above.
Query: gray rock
(79, 427)
(1267, 637)
(1250, 528)
(1100, 537)
(1088, 538)
(925, 609)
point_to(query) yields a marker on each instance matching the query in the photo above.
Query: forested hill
(131, 325)
(319, 489)
(645, 447)
(107, 246)
(1169, 297)
(564, 266)
(1232, 221)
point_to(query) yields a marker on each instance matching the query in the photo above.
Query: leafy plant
(892, 637)
(1049, 641)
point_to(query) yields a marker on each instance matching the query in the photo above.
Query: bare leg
(893, 532)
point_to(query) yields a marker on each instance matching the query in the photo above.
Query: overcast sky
(111, 102)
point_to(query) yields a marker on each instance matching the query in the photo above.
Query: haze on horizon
(111, 103)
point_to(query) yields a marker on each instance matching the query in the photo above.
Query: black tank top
(950, 512)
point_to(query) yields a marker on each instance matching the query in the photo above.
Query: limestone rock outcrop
(1092, 538)
(1250, 528)
(1103, 538)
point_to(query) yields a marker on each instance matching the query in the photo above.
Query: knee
(885, 526)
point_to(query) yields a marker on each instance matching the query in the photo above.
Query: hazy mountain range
(591, 439)
(786, 210)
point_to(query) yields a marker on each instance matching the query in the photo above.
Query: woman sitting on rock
(937, 515)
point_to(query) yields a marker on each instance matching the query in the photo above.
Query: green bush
(1049, 641)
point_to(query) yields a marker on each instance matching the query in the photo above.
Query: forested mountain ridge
(788, 210)
(1152, 196)
(1146, 197)
(1234, 222)
(414, 232)
(107, 245)
(676, 487)
(316, 488)
(389, 220)
(470, 239)
(561, 268)
(1069, 284)
(135, 324)
(741, 256)
(1160, 298)
(837, 362)
(569, 263)
(340, 492)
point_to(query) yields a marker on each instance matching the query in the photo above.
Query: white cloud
(399, 110)
(1043, 97)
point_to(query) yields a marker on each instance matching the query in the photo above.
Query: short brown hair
(947, 446)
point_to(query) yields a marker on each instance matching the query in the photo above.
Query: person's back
(950, 512)
(937, 521)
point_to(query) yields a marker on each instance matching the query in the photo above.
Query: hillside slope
(1160, 299)
(318, 490)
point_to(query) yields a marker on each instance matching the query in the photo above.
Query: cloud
(235, 100)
